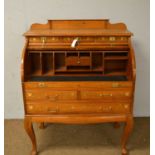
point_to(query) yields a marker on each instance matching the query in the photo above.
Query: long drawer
(83, 108)
(82, 84)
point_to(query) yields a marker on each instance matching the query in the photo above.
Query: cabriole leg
(127, 130)
(29, 129)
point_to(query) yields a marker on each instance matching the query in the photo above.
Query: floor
(58, 139)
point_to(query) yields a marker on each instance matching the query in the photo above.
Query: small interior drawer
(78, 61)
(72, 61)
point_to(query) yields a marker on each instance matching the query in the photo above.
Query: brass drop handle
(105, 94)
(34, 39)
(112, 38)
(29, 94)
(52, 110)
(41, 84)
(127, 94)
(115, 85)
(53, 38)
(53, 98)
(74, 42)
(78, 62)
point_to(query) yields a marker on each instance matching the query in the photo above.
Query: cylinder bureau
(78, 72)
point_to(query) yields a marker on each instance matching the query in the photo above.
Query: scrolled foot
(127, 131)
(33, 152)
(124, 151)
(29, 129)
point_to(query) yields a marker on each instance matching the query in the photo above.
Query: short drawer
(52, 85)
(50, 95)
(106, 94)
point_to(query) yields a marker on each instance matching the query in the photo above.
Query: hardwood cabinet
(78, 72)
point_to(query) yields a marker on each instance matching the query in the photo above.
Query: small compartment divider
(97, 61)
(47, 64)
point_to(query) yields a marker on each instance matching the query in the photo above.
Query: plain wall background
(20, 14)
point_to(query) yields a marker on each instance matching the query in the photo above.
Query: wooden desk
(78, 72)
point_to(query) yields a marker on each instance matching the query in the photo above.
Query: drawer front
(106, 85)
(74, 85)
(113, 108)
(72, 61)
(76, 61)
(78, 108)
(84, 61)
(106, 94)
(52, 85)
(50, 95)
